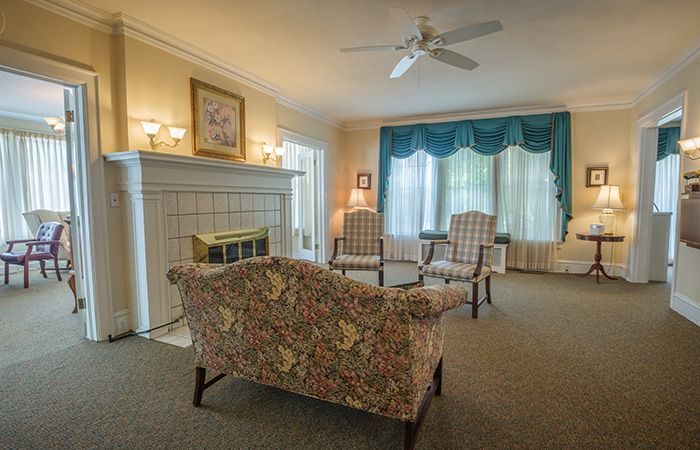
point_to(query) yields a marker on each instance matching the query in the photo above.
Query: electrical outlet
(114, 199)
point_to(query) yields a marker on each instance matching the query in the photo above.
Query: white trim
(596, 107)
(99, 298)
(283, 100)
(292, 136)
(79, 12)
(679, 64)
(121, 321)
(646, 130)
(686, 307)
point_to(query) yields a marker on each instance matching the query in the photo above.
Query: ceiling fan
(421, 39)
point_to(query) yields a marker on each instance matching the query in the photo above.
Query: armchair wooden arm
(429, 258)
(480, 261)
(381, 249)
(335, 248)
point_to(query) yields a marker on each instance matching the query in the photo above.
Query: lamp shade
(357, 199)
(609, 198)
(150, 127)
(177, 133)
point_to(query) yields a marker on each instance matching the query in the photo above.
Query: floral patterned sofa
(296, 326)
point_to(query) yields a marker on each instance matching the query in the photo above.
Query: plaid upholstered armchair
(362, 245)
(468, 256)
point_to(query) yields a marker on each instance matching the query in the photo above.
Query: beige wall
(597, 137)
(688, 80)
(140, 82)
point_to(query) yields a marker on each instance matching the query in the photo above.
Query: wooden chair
(44, 246)
(362, 244)
(468, 256)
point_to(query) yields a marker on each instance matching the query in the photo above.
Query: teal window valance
(668, 142)
(536, 134)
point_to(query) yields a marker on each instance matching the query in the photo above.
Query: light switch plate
(114, 199)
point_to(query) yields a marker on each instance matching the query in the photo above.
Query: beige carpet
(557, 362)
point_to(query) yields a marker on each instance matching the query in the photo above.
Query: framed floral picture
(218, 122)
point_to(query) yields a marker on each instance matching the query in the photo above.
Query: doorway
(89, 260)
(309, 213)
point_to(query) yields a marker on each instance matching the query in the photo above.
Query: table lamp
(357, 199)
(609, 201)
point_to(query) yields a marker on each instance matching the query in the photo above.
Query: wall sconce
(152, 128)
(691, 147)
(57, 124)
(270, 153)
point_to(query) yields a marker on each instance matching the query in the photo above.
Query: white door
(306, 204)
(78, 205)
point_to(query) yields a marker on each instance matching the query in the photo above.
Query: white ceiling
(551, 52)
(27, 98)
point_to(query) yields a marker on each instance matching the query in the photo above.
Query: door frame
(646, 133)
(97, 269)
(321, 182)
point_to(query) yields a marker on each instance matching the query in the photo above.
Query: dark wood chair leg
(438, 377)
(343, 272)
(42, 264)
(7, 273)
(200, 375)
(488, 289)
(381, 278)
(26, 273)
(55, 264)
(475, 300)
(409, 436)
(420, 276)
(447, 281)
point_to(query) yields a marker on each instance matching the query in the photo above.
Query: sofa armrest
(435, 300)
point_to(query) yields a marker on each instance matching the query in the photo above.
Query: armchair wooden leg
(447, 281)
(26, 273)
(488, 289)
(381, 278)
(42, 264)
(475, 300)
(55, 265)
(7, 273)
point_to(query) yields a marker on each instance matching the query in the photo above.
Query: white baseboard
(686, 307)
(568, 266)
(121, 321)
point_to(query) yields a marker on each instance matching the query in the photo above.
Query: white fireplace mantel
(147, 177)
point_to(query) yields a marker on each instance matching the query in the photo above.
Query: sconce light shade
(357, 199)
(268, 149)
(150, 127)
(691, 147)
(609, 198)
(177, 133)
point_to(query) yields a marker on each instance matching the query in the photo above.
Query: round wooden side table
(599, 239)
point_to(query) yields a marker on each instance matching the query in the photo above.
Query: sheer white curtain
(527, 208)
(33, 175)
(666, 194)
(410, 206)
(515, 185)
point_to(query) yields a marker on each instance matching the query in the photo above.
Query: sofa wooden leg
(475, 300)
(488, 289)
(200, 383)
(412, 428)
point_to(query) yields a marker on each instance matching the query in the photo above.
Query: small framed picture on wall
(364, 181)
(596, 176)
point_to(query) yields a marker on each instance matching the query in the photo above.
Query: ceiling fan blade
(372, 48)
(469, 32)
(405, 24)
(454, 59)
(403, 65)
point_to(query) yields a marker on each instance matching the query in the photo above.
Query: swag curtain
(668, 142)
(33, 175)
(536, 134)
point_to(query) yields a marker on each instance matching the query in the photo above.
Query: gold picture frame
(218, 122)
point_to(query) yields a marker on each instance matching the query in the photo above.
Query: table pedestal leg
(597, 266)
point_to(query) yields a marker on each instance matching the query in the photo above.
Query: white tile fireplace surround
(173, 197)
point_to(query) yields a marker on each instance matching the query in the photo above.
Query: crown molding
(123, 25)
(21, 116)
(679, 64)
(595, 107)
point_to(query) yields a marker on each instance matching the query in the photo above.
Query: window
(515, 185)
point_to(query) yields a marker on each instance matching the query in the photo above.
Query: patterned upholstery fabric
(362, 230)
(448, 269)
(356, 262)
(295, 326)
(467, 232)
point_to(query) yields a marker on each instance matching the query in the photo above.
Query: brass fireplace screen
(231, 246)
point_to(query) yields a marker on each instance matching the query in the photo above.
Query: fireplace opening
(231, 246)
